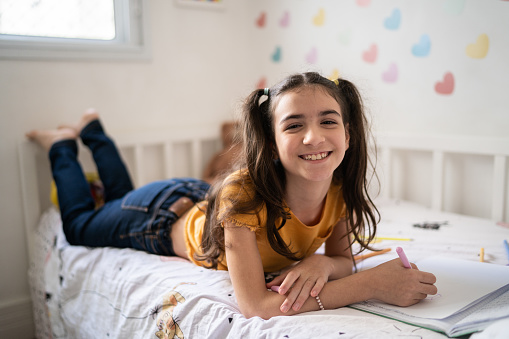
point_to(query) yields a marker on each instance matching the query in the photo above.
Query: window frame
(130, 42)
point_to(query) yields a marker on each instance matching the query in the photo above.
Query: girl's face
(311, 138)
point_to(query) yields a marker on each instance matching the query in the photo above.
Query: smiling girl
(301, 183)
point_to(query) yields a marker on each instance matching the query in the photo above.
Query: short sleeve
(241, 192)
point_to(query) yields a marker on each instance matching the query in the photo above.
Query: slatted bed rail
(193, 147)
(440, 147)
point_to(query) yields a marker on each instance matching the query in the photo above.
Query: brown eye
(329, 122)
(293, 126)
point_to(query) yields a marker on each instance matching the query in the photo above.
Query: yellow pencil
(371, 254)
(378, 239)
(481, 255)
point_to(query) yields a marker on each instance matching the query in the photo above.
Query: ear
(275, 153)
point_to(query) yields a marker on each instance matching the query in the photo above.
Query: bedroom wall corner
(16, 319)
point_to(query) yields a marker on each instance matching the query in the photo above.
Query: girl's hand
(394, 284)
(305, 279)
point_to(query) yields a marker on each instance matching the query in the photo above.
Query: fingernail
(284, 308)
(296, 306)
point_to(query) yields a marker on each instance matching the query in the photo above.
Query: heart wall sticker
(391, 74)
(446, 86)
(276, 56)
(422, 48)
(479, 49)
(371, 54)
(262, 83)
(319, 19)
(285, 20)
(394, 20)
(260, 21)
(454, 7)
(312, 56)
(363, 3)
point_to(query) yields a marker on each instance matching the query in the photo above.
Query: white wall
(333, 37)
(204, 62)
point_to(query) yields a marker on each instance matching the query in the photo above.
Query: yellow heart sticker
(319, 19)
(479, 49)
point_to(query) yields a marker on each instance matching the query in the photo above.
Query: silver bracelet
(320, 303)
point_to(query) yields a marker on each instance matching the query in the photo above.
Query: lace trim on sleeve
(238, 223)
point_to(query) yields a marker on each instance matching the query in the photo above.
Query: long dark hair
(259, 170)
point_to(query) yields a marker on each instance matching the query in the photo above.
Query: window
(73, 29)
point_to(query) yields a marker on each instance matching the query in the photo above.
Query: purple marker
(403, 257)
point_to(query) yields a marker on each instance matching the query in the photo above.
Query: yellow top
(302, 239)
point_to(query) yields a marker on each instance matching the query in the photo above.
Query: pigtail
(264, 170)
(362, 213)
(264, 173)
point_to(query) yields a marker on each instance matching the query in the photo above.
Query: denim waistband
(154, 200)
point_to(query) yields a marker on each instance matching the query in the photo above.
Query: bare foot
(90, 115)
(46, 138)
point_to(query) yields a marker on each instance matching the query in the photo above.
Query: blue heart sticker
(422, 48)
(394, 20)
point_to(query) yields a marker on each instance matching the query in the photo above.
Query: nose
(313, 136)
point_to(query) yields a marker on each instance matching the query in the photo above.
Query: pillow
(96, 189)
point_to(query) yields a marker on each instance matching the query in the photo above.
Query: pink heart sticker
(391, 75)
(371, 54)
(285, 19)
(446, 86)
(312, 56)
(363, 3)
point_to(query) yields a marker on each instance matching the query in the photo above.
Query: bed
(80, 292)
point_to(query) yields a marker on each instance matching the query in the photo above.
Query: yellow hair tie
(336, 82)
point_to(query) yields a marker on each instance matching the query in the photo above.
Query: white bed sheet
(80, 292)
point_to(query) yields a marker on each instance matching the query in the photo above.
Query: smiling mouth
(317, 156)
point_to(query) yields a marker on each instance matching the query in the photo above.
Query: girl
(302, 183)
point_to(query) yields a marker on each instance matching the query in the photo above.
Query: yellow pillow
(96, 189)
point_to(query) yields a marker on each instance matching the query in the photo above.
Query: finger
(276, 281)
(292, 294)
(303, 295)
(291, 297)
(288, 282)
(421, 296)
(429, 289)
(427, 278)
(320, 283)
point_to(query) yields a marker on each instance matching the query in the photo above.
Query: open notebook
(471, 295)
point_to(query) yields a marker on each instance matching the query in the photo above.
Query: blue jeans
(136, 218)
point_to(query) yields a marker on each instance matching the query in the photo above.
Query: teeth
(318, 156)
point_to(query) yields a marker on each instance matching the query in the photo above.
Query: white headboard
(439, 149)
